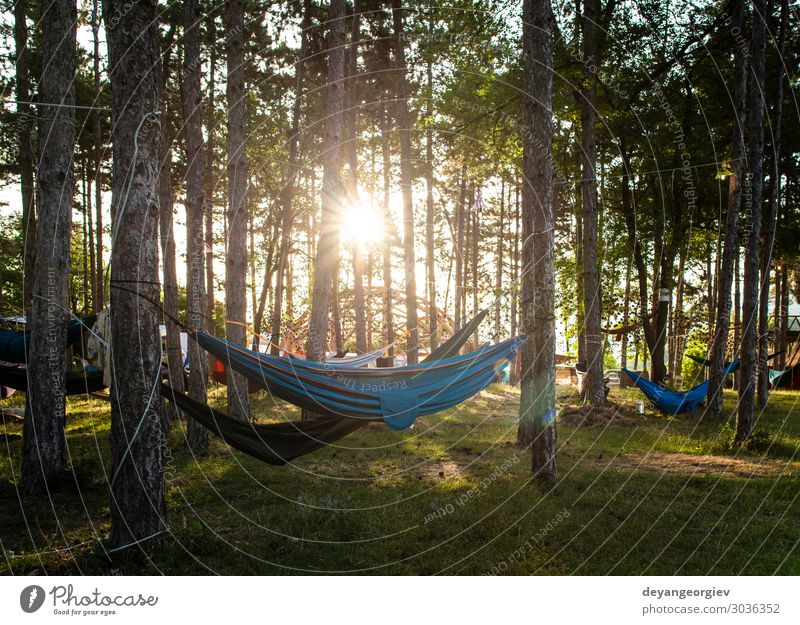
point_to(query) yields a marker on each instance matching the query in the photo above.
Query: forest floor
(636, 495)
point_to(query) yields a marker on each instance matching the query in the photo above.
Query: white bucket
(640, 406)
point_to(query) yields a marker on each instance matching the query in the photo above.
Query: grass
(453, 495)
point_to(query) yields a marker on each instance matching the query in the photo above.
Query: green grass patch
(452, 495)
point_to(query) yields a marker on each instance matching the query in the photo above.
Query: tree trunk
(626, 307)
(24, 121)
(753, 207)
(287, 192)
(93, 278)
(595, 391)
(460, 279)
(196, 303)
(498, 282)
(737, 314)
(97, 135)
(430, 251)
(406, 180)
(680, 323)
(770, 219)
(784, 312)
(167, 236)
(236, 260)
(537, 426)
(388, 316)
(211, 128)
(579, 311)
(44, 444)
(513, 377)
(325, 266)
(137, 436)
(353, 101)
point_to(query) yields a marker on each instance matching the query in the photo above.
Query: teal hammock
(675, 402)
(396, 395)
(13, 343)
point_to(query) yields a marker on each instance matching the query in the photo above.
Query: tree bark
(513, 377)
(236, 260)
(406, 181)
(211, 127)
(537, 426)
(595, 391)
(24, 123)
(137, 437)
(325, 266)
(196, 303)
(770, 219)
(353, 101)
(460, 279)
(430, 216)
(626, 307)
(498, 282)
(167, 236)
(287, 192)
(44, 443)
(388, 315)
(784, 316)
(753, 207)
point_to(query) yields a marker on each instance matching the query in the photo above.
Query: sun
(362, 223)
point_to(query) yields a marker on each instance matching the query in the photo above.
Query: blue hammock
(675, 402)
(13, 342)
(395, 395)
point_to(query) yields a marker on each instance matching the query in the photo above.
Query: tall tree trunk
(737, 314)
(353, 101)
(784, 316)
(430, 258)
(196, 303)
(290, 177)
(513, 377)
(97, 136)
(236, 260)
(211, 128)
(44, 444)
(167, 236)
(498, 282)
(476, 233)
(388, 316)
(579, 310)
(137, 437)
(537, 415)
(406, 180)
(92, 250)
(753, 206)
(770, 219)
(626, 308)
(595, 391)
(24, 120)
(325, 266)
(680, 323)
(460, 256)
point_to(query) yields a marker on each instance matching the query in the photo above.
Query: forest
(338, 285)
